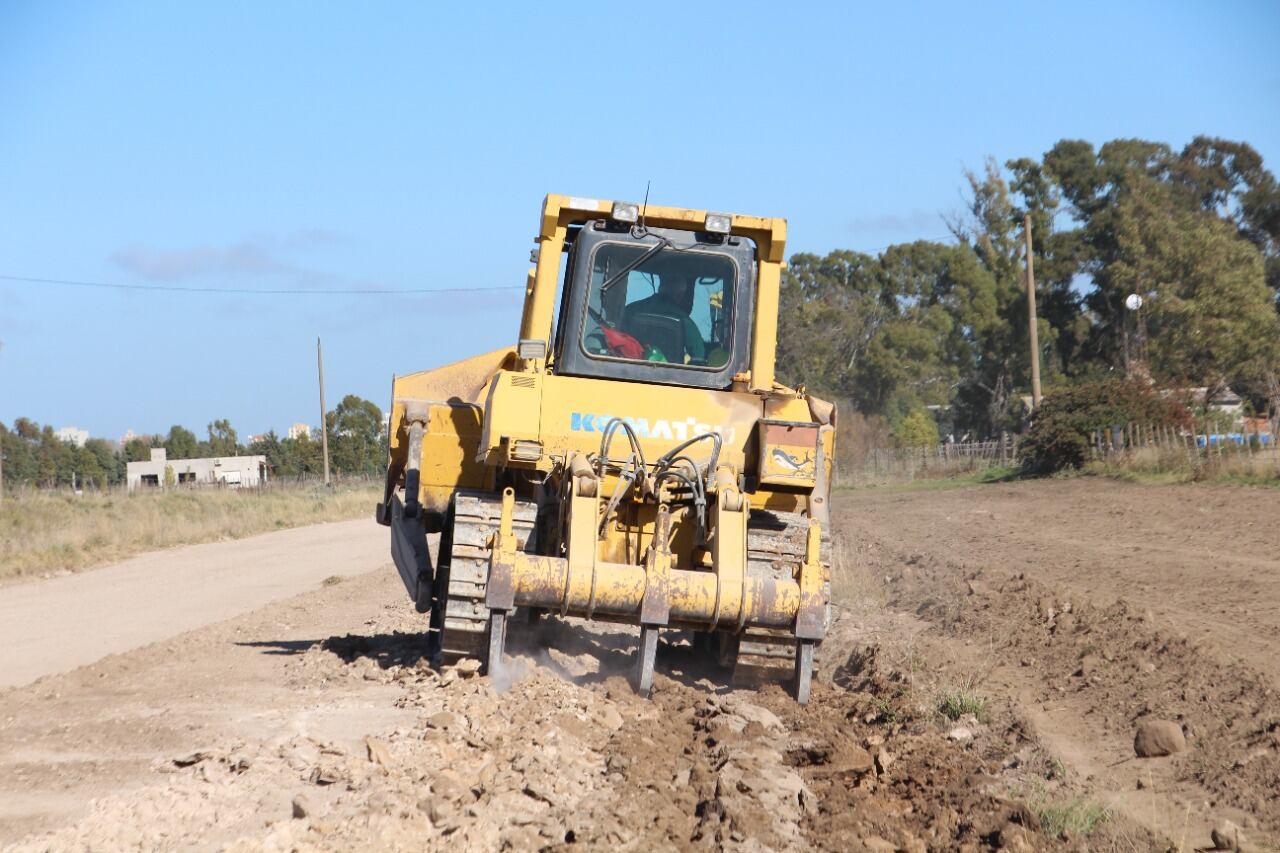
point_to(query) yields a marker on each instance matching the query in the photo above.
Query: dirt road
(314, 723)
(58, 624)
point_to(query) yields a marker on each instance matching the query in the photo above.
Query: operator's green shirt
(659, 304)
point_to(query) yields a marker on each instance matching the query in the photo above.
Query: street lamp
(1134, 302)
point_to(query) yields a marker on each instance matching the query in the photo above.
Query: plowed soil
(994, 649)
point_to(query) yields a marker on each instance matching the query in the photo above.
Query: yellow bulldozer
(631, 459)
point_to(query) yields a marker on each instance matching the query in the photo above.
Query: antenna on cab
(644, 206)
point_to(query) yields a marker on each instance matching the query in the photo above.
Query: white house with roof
(233, 471)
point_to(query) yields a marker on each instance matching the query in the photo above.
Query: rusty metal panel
(788, 453)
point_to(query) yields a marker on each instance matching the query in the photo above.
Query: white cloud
(258, 255)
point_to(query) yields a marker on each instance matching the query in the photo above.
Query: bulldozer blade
(411, 555)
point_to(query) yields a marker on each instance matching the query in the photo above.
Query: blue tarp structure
(1240, 438)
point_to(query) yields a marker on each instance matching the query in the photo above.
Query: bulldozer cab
(658, 295)
(659, 305)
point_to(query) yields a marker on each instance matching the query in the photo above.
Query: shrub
(1062, 426)
(954, 704)
(1079, 816)
(915, 429)
(857, 434)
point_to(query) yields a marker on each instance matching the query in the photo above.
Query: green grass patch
(1078, 816)
(961, 702)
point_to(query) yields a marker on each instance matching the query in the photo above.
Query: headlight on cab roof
(719, 223)
(625, 211)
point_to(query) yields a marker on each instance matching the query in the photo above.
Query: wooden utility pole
(1032, 325)
(324, 427)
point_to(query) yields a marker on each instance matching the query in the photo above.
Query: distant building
(75, 435)
(254, 439)
(233, 471)
(1225, 400)
(129, 435)
(299, 430)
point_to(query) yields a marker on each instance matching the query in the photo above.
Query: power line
(251, 291)
(302, 291)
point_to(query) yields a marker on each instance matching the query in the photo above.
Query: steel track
(475, 517)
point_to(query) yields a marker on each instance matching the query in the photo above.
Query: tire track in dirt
(1204, 559)
(1082, 664)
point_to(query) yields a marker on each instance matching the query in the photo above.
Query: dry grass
(43, 532)
(855, 588)
(1180, 464)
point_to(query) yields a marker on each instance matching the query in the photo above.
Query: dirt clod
(378, 751)
(442, 720)
(327, 773)
(1227, 836)
(1155, 738)
(192, 758)
(467, 668)
(301, 806)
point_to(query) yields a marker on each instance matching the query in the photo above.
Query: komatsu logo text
(672, 430)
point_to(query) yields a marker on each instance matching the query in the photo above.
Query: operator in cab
(672, 302)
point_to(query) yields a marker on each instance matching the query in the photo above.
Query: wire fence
(1144, 447)
(1203, 452)
(897, 464)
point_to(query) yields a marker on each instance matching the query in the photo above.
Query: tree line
(34, 455)
(1194, 232)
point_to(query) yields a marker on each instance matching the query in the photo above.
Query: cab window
(674, 308)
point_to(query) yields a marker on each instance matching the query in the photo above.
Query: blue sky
(382, 146)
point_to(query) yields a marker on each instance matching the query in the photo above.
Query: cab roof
(769, 233)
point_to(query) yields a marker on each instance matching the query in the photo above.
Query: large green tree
(107, 460)
(831, 310)
(355, 437)
(223, 440)
(1209, 316)
(1196, 232)
(138, 448)
(181, 443)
